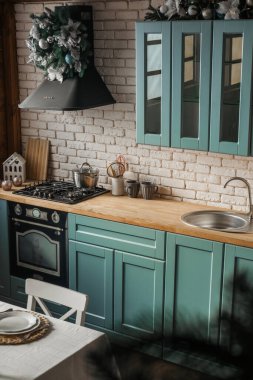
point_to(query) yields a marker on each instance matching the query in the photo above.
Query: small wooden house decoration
(14, 166)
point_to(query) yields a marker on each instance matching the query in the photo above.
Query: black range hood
(74, 93)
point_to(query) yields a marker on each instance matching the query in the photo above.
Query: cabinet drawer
(124, 237)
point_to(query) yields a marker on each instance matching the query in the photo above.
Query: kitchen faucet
(249, 213)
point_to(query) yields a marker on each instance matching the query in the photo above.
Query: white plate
(17, 321)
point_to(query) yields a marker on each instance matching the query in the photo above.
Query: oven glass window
(37, 251)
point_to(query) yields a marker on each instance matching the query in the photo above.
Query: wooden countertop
(158, 213)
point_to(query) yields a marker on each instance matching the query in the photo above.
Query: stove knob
(18, 209)
(55, 217)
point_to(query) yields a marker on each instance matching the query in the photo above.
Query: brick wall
(98, 135)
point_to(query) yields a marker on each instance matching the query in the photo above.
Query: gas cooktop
(60, 191)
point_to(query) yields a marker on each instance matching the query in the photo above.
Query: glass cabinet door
(231, 87)
(191, 68)
(153, 83)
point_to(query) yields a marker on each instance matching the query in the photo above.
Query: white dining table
(67, 352)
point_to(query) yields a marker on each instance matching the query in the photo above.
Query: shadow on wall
(237, 352)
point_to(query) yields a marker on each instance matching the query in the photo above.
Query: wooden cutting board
(37, 159)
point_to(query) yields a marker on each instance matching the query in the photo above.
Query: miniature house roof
(14, 159)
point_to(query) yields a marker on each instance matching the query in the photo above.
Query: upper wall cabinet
(231, 96)
(153, 82)
(194, 82)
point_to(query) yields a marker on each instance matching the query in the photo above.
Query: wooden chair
(77, 302)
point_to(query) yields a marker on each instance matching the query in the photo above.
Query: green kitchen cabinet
(91, 272)
(153, 47)
(4, 251)
(191, 78)
(121, 268)
(138, 296)
(194, 85)
(237, 300)
(231, 95)
(193, 283)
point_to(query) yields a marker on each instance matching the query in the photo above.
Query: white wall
(99, 134)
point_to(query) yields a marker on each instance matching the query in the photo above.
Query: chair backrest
(77, 302)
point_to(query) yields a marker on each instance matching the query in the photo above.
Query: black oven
(38, 243)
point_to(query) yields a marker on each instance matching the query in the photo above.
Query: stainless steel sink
(218, 220)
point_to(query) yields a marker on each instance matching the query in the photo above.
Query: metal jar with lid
(87, 176)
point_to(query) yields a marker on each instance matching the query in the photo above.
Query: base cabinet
(91, 272)
(4, 251)
(193, 284)
(138, 296)
(118, 267)
(237, 300)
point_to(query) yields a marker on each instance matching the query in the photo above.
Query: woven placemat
(31, 336)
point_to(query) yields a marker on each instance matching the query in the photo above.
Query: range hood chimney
(73, 93)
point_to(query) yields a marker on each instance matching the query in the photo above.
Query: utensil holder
(117, 186)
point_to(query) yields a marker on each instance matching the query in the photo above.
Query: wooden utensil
(37, 159)
(116, 169)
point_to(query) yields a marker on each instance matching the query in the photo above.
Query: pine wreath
(58, 45)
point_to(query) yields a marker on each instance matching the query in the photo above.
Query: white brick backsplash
(84, 137)
(38, 124)
(223, 171)
(244, 173)
(75, 144)
(208, 196)
(46, 117)
(187, 157)
(67, 151)
(30, 132)
(65, 135)
(55, 126)
(173, 165)
(193, 185)
(173, 183)
(59, 157)
(47, 134)
(87, 154)
(192, 167)
(221, 189)
(99, 135)
(96, 147)
(207, 160)
(124, 124)
(156, 171)
(237, 164)
(208, 178)
(74, 128)
(183, 175)
(105, 139)
(184, 193)
(239, 201)
(116, 4)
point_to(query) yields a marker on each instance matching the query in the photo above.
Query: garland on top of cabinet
(201, 10)
(58, 45)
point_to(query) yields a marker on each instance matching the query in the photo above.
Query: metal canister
(76, 177)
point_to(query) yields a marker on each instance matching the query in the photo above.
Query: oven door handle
(19, 221)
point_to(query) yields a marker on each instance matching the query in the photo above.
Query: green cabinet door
(153, 57)
(4, 251)
(91, 272)
(138, 296)
(237, 298)
(191, 81)
(231, 95)
(192, 288)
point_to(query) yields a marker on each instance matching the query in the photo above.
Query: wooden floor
(137, 366)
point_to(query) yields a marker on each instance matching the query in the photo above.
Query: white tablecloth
(67, 352)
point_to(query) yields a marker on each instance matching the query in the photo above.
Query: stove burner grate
(60, 191)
